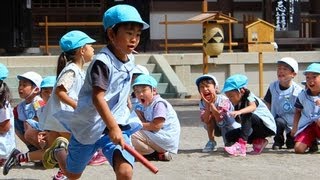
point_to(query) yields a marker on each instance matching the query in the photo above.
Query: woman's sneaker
(49, 161)
(11, 161)
(166, 156)
(258, 145)
(210, 146)
(237, 149)
(60, 176)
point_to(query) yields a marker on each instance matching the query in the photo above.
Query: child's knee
(300, 148)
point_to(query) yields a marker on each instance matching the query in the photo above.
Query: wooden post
(47, 36)
(204, 54)
(260, 75)
(165, 34)
(230, 35)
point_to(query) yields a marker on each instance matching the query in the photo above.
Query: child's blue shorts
(79, 154)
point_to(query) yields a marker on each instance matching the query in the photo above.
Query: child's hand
(208, 98)
(42, 136)
(317, 102)
(116, 137)
(234, 114)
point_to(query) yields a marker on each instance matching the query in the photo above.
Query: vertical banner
(287, 15)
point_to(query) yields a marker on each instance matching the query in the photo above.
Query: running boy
(257, 122)
(214, 109)
(306, 123)
(102, 118)
(280, 99)
(160, 131)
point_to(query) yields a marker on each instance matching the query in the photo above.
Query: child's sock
(23, 157)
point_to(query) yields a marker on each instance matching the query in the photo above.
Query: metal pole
(166, 34)
(204, 54)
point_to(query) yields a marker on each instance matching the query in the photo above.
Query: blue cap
(3, 72)
(313, 68)
(235, 82)
(122, 13)
(207, 76)
(144, 79)
(48, 81)
(74, 39)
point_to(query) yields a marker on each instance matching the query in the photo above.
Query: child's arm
(103, 109)
(5, 126)
(296, 118)
(61, 92)
(155, 125)
(250, 108)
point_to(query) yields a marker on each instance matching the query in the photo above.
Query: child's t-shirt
(7, 140)
(29, 111)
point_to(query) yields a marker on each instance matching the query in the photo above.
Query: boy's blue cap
(3, 72)
(207, 76)
(122, 13)
(235, 82)
(48, 81)
(313, 68)
(144, 79)
(74, 39)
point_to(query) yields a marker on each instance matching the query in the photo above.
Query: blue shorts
(79, 154)
(19, 126)
(33, 123)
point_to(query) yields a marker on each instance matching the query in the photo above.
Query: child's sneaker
(210, 146)
(237, 149)
(49, 160)
(258, 145)
(59, 176)
(11, 161)
(97, 159)
(166, 156)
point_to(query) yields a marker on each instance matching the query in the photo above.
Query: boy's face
(144, 94)
(207, 90)
(285, 73)
(234, 96)
(25, 88)
(125, 40)
(313, 82)
(45, 93)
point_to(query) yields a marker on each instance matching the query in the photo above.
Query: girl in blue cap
(76, 51)
(102, 118)
(256, 120)
(7, 134)
(306, 123)
(160, 131)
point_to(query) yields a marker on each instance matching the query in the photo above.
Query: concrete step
(162, 88)
(157, 76)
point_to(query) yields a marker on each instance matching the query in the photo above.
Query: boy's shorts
(79, 154)
(19, 126)
(33, 123)
(308, 135)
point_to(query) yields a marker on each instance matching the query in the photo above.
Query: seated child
(134, 102)
(7, 136)
(214, 110)
(160, 133)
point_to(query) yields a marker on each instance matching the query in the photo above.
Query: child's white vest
(46, 120)
(282, 103)
(85, 122)
(168, 136)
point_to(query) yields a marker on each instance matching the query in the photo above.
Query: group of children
(288, 111)
(79, 116)
(88, 116)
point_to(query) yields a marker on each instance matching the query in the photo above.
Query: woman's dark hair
(64, 58)
(5, 95)
(128, 24)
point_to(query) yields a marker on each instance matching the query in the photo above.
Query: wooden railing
(47, 24)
